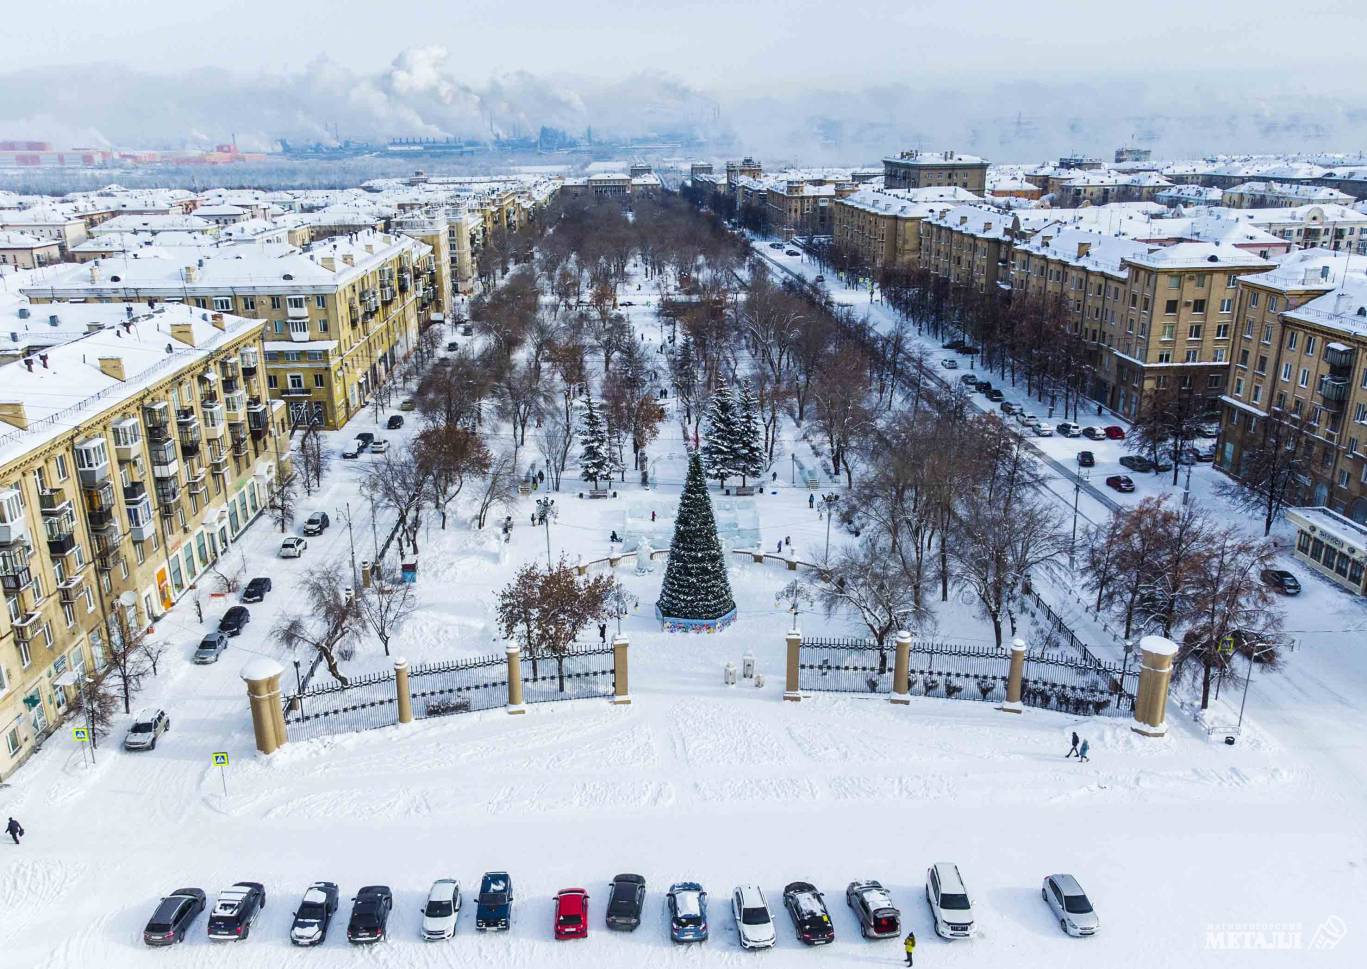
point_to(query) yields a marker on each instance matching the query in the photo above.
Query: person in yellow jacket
(910, 945)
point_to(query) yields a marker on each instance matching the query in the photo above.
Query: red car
(1115, 432)
(571, 914)
(1120, 482)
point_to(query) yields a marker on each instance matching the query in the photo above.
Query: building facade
(925, 169)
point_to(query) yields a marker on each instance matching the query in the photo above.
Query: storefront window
(1303, 542)
(177, 581)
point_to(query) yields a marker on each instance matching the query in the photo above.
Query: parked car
(687, 904)
(984, 386)
(996, 396)
(1086, 459)
(210, 647)
(1010, 407)
(754, 924)
(409, 404)
(452, 346)
(1044, 429)
(1210, 429)
(1114, 432)
(364, 438)
(792, 252)
(379, 446)
(949, 903)
(807, 908)
(872, 906)
(147, 726)
(1283, 581)
(234, 619)
(950, 364)
(1072, 908)
(1069, 429)
(495, 908)
(394, 423)
(292, 547)
(572, 914)
(236, 911)
(775, 245)
(442, 911)
(1026, 420)
(952, 344)
(1162, 464)
(969, 381)
(624, 904)
(1121, 483)
(351, 451)
(370, 915)
(1094, 434)
(967, 350)
(819, 280)
(256, 589)
(317, 523)
(173, 917)
(1137, 463)
(314, 914)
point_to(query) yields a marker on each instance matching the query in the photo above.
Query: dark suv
(370, 914)
(236, 910)
(494, 910)
(808, 911)
(234, 619)
(625, 902)
(395, 422)
(1283, 581)
(256, 589)
(173, 916)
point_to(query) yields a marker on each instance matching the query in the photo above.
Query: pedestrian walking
(1082, 753)
(811, 501)
(613, 537)
(1072, 751)
(774, 477)
(652, 515)
(15, 830)
(788, 540)
(603, 633)
(909, 946)
(779, 546)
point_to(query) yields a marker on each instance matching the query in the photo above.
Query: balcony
(218, 459)
(298, 312)
(230, 369)
(189, 442)
(296, 392)
(92, 461)
(26, 626)
(156, 414)
(14, 570)
(70, 590)
(387, 294)
(127, 439)
(235, 402)
(143, 531)
(1334, 390)
(13, 524)
(168, 492)
(165, 463)
(249, 362)
(134, 493)
(99, 498)
(60, 532)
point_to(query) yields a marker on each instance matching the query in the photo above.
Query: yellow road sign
(80, 734)
(220, 759)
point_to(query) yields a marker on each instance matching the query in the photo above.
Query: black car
(1283, 581)
(173, 916)
(996, 396)
(317, 523)
(494, 910)
(625, 902)
(809, 914)
(1086, 459)
(395, 422)
(1136, 462)
(453, 345)
(363, 440)
(234, 619)
(314, 914)
(983, 385)
(256, 589)
(236, 910)
(370, 914)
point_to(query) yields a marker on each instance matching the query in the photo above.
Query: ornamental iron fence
(581, 672)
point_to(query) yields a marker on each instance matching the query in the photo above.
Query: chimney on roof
(328, 263)
(217, 320)
(95, 272)
(348, 259)
(12, 412)
(94, 327)
(189, 273)
(963, 220)
(112, 367)
(1083, 248)
(43, 357)
(183, 333)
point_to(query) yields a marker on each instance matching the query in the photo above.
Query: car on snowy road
(1137, 463)
(394, 423)
(625, 903)
(293, 547)
(494, 908)
(1094, 434)
(317, 523)
(995, 395)
(236, 911)
(351, 451)
(256, 589)
(148, 725)
(969, 381)
(1044, 429)
(950, 363)
(314, 914)
(949, 902)
(1070, 904)
(1069, 429)
(872, 906)
(379, 446)
(370, 915)
(234, 620)
(571, 914)
(807, 908)
(754, 924)
(1114, 432)
(1121, 483)
(442, 911)
(210, 648)
(1283, 581)
(1086, 459)
(687, 903)
(173, 917)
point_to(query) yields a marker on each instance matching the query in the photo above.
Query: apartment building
(1071, 188)
(926, 169)
(46, 223)
(132, 459)
(1301, 356)
(882, 227)
(23, 251)
(340, 312)
(1271, 195)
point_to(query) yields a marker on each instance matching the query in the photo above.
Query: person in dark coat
(909, 946)
(1072, 751)
(15, 830)
(603, 633)
(811, 501)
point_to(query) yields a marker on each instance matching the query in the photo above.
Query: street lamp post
(298, 687)
(1077, 488)
(544, 507)
(1252, 657)
(830, 500)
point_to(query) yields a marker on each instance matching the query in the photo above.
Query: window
(279, 326)
(1219, 355)
(322, 326)
(1253, 297)
(1165, 356)
(249, 302)
(1193, 355)
(275, 302)
(1292, 338)
(1243, 358)
(1286, 371)
(1198, 306)
(1267, 332)
(1230, 280)
(1174, 282)
(1226, 305)
(1360, 414)
(69, 614)
(12, 739)
(1262, 364)
(272, 382)
(1201, 280)
(318, 380)
(223, 304)
(1344, 477)
(299, 327)
(1194, 331)
(1214, 380)
(1168, 331)
(1310, 343)
(1248, 329)
(1272, 304)
(1281, 399)
(296, 381)
(1304, 379)
(1257, 393)
(1170, 307)
(25, 657)
(314, 355)
(298, 302)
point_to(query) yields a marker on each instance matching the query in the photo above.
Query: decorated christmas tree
(719, 450)
(696, 593)
(748, 448)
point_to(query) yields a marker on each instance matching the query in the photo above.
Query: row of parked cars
(238, 907)
(366, 441)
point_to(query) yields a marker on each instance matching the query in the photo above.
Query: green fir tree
(695, 584)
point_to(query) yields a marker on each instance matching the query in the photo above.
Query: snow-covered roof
(22, 240)
(1200, 255)
(1344, 308)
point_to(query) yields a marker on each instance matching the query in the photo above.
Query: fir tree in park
(719, 450)
(749, 444)
(596, 459)
(695, 584)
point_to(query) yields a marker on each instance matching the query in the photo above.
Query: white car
(147, 726)
(1071, 906)
(292, 547)
(950, 364)
(442, 911)
(949, 902)
(754, 924)
(1069, 429)
(1044, 429)
(379, 446)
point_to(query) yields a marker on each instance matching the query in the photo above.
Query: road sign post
(82, 736)
(220, 760)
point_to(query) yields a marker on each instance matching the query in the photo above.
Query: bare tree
(447, 455)
(326, 619)
(96, 702)
(385, 606)
(398, 482)
(312, 459)
(281, 501)
(1275, 454)
(499, 489)
(230, 576)
(860, 582)
(127, 662)
(556, 441)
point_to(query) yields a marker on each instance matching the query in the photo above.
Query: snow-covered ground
(1182, 842)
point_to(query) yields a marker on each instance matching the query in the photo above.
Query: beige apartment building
(882, 228)
(926, 169)
(340, 313)
(969, 246)
(131, 459)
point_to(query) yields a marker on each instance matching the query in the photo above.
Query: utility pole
(1077, 488)
(351, 541)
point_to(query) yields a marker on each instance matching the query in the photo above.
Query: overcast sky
(762, 43)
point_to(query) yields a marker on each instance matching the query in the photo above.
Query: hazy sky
(767, 44)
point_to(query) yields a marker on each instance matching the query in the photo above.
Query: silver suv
(148, 725)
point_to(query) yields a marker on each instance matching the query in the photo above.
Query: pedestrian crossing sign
(1227, 645)
(80, 734)
(220, 759)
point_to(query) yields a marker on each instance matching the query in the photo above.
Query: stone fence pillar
(619, 670)
(1014, 674)
(790, 687)
(1155, 673)
(901, 667)
(262, 676)
(404, 697)
(515, 680)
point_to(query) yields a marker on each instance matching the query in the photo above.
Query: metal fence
(441, 689)
(845, 665)
(584, 671)
(957, 671)
(361, 704)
